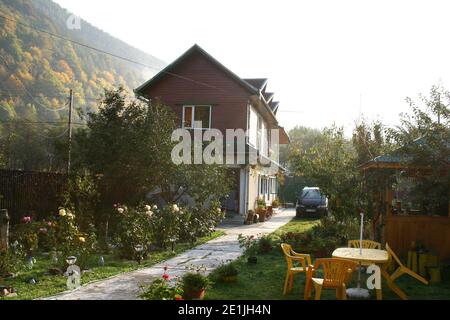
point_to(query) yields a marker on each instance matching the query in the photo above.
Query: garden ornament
(73, 274)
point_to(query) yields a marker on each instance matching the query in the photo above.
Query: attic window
(197, 113)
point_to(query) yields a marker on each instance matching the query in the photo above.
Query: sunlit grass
(265, 280)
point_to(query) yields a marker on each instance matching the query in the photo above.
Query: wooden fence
(27, 193)
(433, 232)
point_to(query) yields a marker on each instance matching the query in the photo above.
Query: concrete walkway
(126, 286)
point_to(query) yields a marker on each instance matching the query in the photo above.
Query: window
(273, 186)
(263, 185)
(253, 127)
(192, 114)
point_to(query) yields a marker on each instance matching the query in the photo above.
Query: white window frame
(193, 106)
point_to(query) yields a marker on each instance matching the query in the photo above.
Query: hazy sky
(324, 59)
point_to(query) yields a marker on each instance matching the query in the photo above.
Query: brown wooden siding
(434, 232)
(228, 98)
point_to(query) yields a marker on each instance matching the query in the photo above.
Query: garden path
(126, 286)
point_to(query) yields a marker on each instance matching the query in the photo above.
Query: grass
(265, 280)
(50, 285)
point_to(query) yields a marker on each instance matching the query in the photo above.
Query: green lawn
(264, 280)
(49, 285)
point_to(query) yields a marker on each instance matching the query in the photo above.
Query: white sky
(320, 57)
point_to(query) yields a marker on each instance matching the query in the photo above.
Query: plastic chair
(401, 270)
(291, 256)
(335, 273)
(366, 244)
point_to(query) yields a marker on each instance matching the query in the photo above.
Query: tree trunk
(4, 229)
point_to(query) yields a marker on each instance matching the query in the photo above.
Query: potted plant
(276, 203)
(261, 209)
(194, 285)
(227, 273)
(249, 243)
(250, 217)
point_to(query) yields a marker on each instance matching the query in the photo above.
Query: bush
(167, 224)
(194, 282)
(261, 203)
(26, 234)
(11, 261)
(162, 289)
(249, 244)
(204, 220)
(226, 271)
(134, 229)
(276, 203)
(265, 244)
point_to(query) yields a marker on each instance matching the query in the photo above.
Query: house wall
(228, 98)
(254, 186)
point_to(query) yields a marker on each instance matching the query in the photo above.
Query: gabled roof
(254, 86)
(268, 96)
(274, 105)
(399, 156)
(258, 83)
(196, 48)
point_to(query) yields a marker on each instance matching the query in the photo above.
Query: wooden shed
(401, 222)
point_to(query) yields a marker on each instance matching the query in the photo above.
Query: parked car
(311, 203)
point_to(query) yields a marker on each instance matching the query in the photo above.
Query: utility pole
(439, 109)
(70, 131)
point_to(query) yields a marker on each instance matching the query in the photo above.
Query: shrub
(203, 220)
(249, 244)
(162, 289)
(194, 281)
(11, 261)
(225, 271)
(265, 244)
(26, 234)
(134, 229)
(261, 203)
(276, 203)
(166, 224)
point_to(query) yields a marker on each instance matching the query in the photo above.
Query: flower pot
(194, 294)
(250, 218)
(262, 217)
(228, 279)
(252, 260)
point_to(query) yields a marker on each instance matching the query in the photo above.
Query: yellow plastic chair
(335, 273)
(366, 244)
(401, 270)
(291, 256)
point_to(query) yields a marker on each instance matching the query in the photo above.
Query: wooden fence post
(4, 229)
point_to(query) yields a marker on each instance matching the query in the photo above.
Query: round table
(368, 257)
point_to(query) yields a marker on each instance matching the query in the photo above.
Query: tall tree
(129, 144)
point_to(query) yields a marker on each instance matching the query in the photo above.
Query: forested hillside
(37, 70)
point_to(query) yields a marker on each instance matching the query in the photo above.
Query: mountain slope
(37, 70)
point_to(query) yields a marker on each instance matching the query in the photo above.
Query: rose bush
(133, 229)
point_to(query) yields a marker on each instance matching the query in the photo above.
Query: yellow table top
(368, 255)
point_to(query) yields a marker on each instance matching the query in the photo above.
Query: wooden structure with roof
(403, 225)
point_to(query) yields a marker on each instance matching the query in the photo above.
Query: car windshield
(311, 194)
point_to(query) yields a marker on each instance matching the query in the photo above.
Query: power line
(42, 122)
(26, 90)
(107, 53)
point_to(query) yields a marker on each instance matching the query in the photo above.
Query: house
(199, 88)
